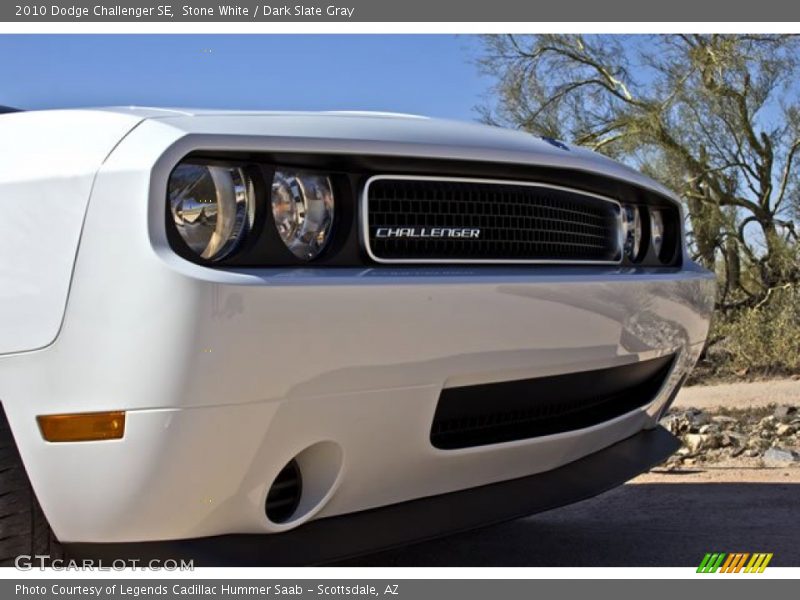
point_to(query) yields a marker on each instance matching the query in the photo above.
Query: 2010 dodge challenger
(287, 338)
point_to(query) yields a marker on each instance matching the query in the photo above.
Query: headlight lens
(212, 207)
(302, 206)
(631, 231)
(657, 230)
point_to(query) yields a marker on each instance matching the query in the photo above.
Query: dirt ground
(740, 395)
(667, 517)
(723, 474)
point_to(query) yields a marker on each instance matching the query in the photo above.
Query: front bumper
(225, 377)
(350, 535)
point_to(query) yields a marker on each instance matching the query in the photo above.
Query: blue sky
(431, 75)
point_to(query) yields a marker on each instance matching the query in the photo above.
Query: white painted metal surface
(48, 162)
(226, 375)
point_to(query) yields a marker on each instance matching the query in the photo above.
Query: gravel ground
(708, 500)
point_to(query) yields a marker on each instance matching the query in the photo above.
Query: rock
(767, 422)
(672, 423)
(710, 438)
(697, 418)
(737, 439)
(777, 457)
(784, 413)
(694, 442)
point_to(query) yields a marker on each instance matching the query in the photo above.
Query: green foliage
(716, 118)
(759, 341)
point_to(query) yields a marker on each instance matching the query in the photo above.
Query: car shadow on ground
(648, 524)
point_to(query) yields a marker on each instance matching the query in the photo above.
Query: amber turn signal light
(82, 427)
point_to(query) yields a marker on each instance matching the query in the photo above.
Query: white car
(354, 330)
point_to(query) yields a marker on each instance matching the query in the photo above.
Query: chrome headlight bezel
(657, 230)
(302, 205)
(212, 207)
(634, 242)
(257, 238)
(665, 232)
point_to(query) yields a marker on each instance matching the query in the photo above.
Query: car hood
(393, 134)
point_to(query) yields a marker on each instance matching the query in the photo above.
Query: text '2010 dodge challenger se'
(286, 338)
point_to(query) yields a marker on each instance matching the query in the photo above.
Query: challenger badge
(427, 232)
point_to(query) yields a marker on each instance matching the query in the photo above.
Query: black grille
(284, 495)
(515, 410)
(417, 219)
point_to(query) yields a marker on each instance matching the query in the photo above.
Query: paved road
(661, 520)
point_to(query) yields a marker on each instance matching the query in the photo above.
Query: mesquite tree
(714, 117)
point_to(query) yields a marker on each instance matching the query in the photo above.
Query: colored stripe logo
(737, 562)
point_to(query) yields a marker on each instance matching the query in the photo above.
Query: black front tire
(23, 527)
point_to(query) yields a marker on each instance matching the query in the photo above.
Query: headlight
(631, 231)
(302, 206)
(657, 230)
(212, 207)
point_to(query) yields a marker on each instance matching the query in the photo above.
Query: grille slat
(511, 221)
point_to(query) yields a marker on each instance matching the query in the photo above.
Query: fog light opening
(284, 494)
(303, 486)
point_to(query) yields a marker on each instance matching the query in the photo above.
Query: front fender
(48, 161)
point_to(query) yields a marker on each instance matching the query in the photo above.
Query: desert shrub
(758, 341)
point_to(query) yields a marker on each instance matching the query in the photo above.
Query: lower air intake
(492, 413)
